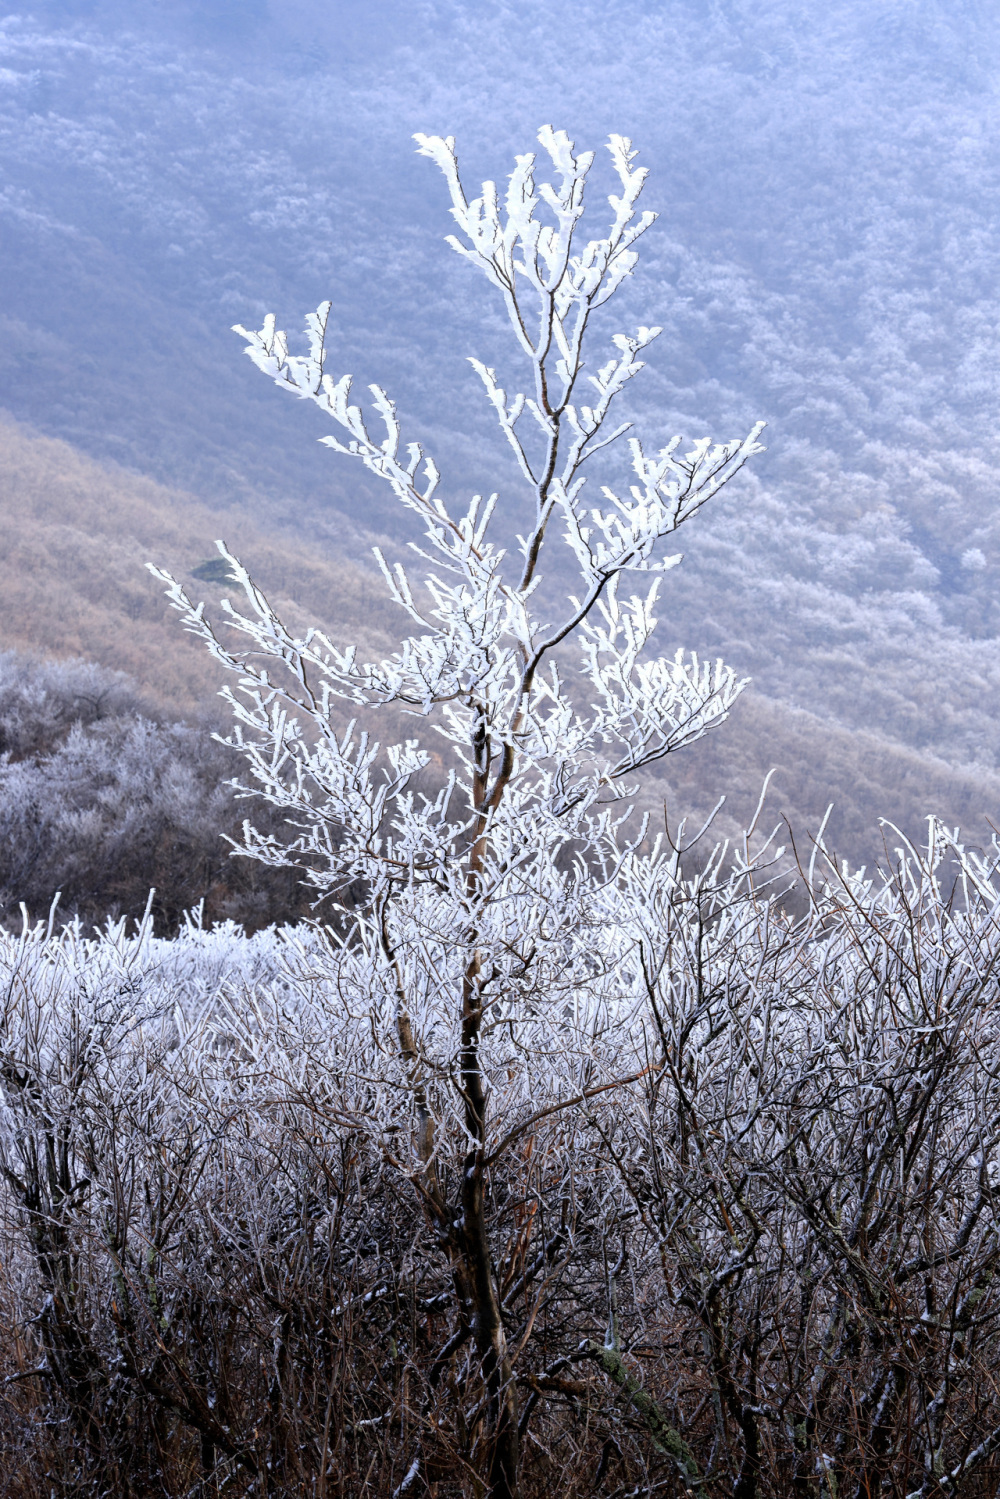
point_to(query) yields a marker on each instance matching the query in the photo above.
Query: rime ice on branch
(471, 903)
(481, 656)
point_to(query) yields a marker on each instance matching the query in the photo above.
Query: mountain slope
(76, 535)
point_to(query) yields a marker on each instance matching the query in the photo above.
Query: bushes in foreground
(747, 1233)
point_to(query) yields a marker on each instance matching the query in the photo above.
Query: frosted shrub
(765, 1261)
(564, 1160)
(101, 802)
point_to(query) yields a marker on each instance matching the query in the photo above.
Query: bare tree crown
(480, 656)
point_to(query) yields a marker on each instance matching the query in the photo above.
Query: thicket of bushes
(102, 799)
(764, 1263)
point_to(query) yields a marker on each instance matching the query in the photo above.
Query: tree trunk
(490, 1338)
(483, 1304)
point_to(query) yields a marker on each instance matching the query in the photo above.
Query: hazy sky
(827, 259)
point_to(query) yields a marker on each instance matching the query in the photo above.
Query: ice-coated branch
(531, 760)
(530, 261)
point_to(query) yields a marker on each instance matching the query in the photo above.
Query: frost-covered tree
(477, 958)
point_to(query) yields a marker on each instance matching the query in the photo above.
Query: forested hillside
(826, 259)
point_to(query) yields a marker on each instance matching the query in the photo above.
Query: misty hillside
(105, 790)
(74, 585)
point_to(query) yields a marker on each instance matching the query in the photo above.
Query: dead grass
(73, 581)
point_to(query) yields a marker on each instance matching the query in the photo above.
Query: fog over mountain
(827, 258)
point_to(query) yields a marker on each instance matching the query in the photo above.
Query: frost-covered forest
(459, 1117)
(563, 1152)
